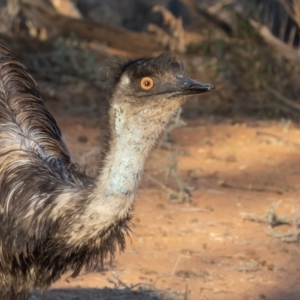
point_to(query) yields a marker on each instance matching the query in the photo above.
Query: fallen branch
(280, 47)
(67, 8)
(211, 13)
(284, 99)
(59, 25)
(8, 15)
(292, 9)
(173, 36)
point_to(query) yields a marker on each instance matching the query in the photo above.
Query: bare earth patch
(205, 249)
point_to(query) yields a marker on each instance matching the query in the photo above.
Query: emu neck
(129, 146)
(131, 138)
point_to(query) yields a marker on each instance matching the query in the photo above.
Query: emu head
(154, 88)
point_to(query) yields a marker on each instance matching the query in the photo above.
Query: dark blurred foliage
(221, 46)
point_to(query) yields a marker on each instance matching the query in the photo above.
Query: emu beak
(188, 86)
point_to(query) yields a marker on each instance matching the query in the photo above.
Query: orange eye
(147, 83)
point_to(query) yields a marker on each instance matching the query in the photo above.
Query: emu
(54, 218)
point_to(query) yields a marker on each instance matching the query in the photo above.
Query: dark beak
(188, 86)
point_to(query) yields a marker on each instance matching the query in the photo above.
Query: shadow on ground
(106, 293)
(127, 294)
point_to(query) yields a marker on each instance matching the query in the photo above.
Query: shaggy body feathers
(37, 179)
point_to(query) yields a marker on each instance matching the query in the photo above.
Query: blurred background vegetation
(248, 48)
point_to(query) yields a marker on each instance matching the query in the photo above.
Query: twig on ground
(183, 195)
(172, 170)
(292, 237)
(172, 195)
(250, 266)
(161, 185)
(273, 220)
(195, 209)
(147, 291)
(279, 139)
(250, 187)
(270, 217)
(187, 293)
(175, 122)
(177, 262)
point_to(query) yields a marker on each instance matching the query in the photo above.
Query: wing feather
(25, 122)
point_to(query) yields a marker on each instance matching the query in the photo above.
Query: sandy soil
(204, 249)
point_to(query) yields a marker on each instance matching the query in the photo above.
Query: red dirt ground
(203, 249)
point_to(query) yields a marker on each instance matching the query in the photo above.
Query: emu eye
(147, 83)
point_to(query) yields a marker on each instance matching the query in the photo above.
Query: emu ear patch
(125, 80)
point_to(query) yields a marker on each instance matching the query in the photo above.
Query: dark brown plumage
(52, 217)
